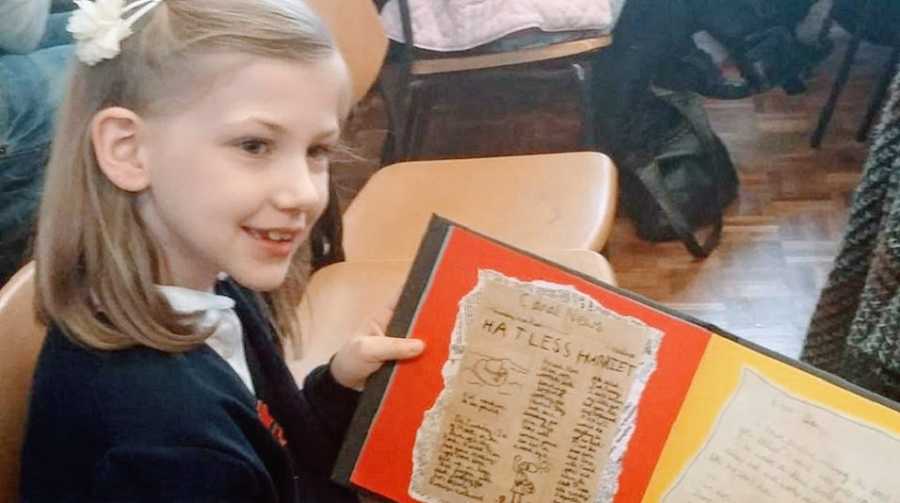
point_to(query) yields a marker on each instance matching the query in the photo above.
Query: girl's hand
(368, 351)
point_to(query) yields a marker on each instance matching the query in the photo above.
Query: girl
(193, 145)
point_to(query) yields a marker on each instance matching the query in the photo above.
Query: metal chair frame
(844, 74)
(421, 78)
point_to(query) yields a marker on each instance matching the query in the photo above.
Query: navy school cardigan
(145, 425)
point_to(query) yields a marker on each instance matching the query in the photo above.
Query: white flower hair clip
(100, 26)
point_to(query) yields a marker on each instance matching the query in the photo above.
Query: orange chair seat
(535, 202)
(21, 336)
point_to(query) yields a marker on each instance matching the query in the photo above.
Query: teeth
(272, 235)
(279, 236)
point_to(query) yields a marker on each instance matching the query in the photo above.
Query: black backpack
(684, 183)
(676, 175)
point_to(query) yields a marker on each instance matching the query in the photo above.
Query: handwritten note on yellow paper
(800, 453)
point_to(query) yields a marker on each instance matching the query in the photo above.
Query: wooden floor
(779, 238)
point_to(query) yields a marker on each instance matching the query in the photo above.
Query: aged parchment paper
(540, 398)
(769, 445)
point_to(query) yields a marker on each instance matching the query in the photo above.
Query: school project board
(541, 385)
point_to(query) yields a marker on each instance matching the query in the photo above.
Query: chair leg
(393, 83)
(588, 130)
(836, 89)
(389, 147)
(880, 92)
(423, 114)
(412, 119)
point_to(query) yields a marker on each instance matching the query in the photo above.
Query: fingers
(370, 349)
(382, 349)
(365, 354)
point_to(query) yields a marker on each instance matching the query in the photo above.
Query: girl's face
(239, 176)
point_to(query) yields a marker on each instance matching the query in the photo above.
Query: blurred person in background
(34, 53)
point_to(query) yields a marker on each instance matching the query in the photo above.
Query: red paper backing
(384, 465)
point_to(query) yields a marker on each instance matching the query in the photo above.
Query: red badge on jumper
(266, 418)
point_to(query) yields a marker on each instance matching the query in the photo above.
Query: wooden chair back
(21, 337)
(359, 36)
(536, 202)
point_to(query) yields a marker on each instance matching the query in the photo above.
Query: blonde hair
(96, 263)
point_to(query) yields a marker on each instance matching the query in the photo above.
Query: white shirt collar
(218, 313)
(186, 300)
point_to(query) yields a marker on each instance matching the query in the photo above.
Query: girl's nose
(297, 190)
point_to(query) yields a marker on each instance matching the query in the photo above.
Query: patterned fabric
(855, 330)
(457, 25)
(31, 88)
(22, 24)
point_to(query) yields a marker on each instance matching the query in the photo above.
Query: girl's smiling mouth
(279, 241)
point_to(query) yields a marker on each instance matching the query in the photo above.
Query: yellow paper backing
(717, 379)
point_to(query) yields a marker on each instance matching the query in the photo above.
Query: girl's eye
(320, 152)
(255, 146)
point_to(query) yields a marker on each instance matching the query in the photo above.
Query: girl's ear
(114, 133)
